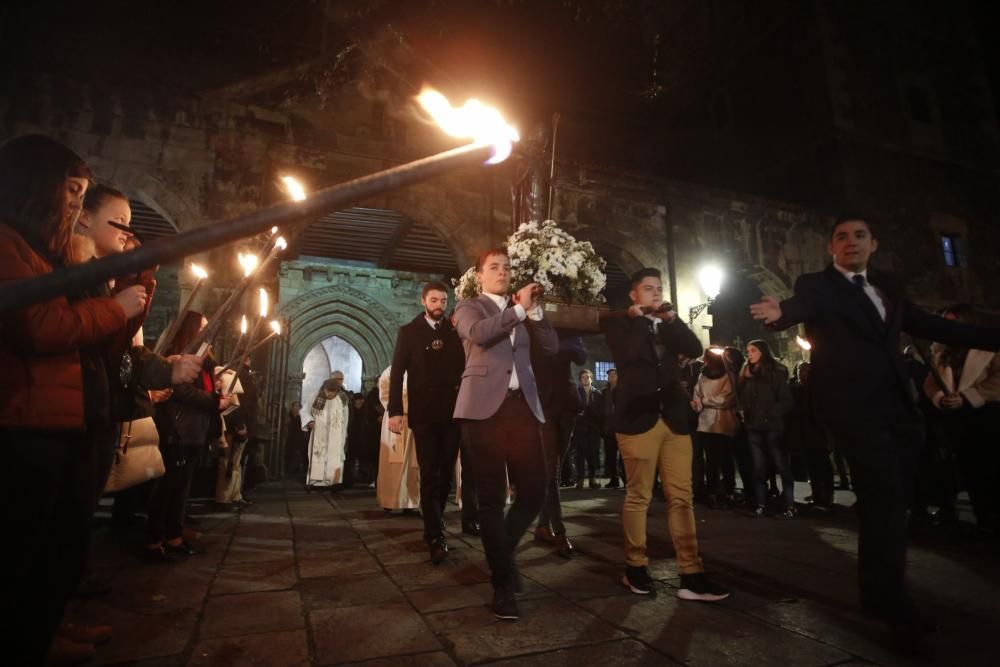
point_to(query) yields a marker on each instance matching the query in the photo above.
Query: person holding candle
(49, 452)
(186, 422)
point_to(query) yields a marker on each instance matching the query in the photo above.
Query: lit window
(601, 369)
(951, 246)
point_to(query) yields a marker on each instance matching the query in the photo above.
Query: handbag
(138, 458)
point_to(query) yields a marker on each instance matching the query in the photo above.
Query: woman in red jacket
(48, 455)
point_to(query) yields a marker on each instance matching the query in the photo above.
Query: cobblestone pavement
(321, 579)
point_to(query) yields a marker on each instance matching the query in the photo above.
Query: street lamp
(710, 279)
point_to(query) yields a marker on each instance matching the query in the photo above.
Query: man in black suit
(587, 432)
(651, 422)
(853, 317)
(429, 351)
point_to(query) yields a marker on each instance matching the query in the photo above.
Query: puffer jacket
(39, 346)
(765, 398)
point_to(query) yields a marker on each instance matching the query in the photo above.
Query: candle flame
(248, 262)
(280, 243)
(803, 343)
(243, 324)
(276, 327)
(263, 302)
(474, 120)
(293, 188)
(199, 272)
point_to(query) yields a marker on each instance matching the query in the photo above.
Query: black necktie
(859, 280)
(437, 326)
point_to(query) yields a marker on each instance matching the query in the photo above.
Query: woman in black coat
(186, 421)
(765, 399)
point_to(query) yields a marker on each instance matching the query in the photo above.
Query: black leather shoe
(182, 549)
(505, 604)
(564, 547)
(438, 549)
(471, 528)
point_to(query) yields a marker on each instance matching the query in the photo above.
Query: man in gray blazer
(501, 414)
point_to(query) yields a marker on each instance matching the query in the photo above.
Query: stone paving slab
(349, 591)
(620, 652)
(229, 615)
(373, 631)
(332, 579)
(546, 624)
(255, 577)
(710, 635)
(268, 649)
(334, 563)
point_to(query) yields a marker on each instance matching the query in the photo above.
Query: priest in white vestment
(398, 485)
(328, 437)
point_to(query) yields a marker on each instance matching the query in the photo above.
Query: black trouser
(470, 504)
(557, 431)
(820, 474)
(882, 459)
(611, 457)
(587, 441)
(698, 469)
(166, 506)
(509, 442)
(437, 451)
(249, 462)
(49, 488)
(720, 472)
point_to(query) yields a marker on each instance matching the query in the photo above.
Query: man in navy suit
(853, 317)
(502, 415)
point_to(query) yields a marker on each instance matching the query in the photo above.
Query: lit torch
(202, 341)
(805, 345)
(491, 142)
(168, 336)
(275, 331)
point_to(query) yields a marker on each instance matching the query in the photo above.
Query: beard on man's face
(434, 314)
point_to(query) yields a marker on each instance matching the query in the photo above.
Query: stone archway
(342, 311)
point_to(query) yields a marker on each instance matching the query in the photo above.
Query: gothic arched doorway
(327, 356)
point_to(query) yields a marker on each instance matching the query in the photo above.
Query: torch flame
(248, 262)
(274, 230)
(293, 188)
(199, 272)
(717, 351)
(263, 302)
(474, 120)
(803, 343)
(276, 326)
(280, 243)
(243, 324)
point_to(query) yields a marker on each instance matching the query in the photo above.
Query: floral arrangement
(543, 253)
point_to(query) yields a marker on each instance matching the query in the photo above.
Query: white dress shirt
(535, 315)
(869, 289)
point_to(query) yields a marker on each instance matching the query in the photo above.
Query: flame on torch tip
(276, 326)
(293, 188)
(717, 351)
(274, 230)
(248, 262)
(281, 243)
(474, 120)
(199, 272)
(803, 343)
(243, 324)
(263, 302)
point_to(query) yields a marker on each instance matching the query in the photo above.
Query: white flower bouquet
(540, 252)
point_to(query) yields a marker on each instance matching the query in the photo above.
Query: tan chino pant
(644, 453)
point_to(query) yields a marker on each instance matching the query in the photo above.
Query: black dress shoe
(439, 550)
(471, 528)
(505, 604)
(182, 549)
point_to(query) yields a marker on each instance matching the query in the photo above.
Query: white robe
(398, 484)
(328, 444)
